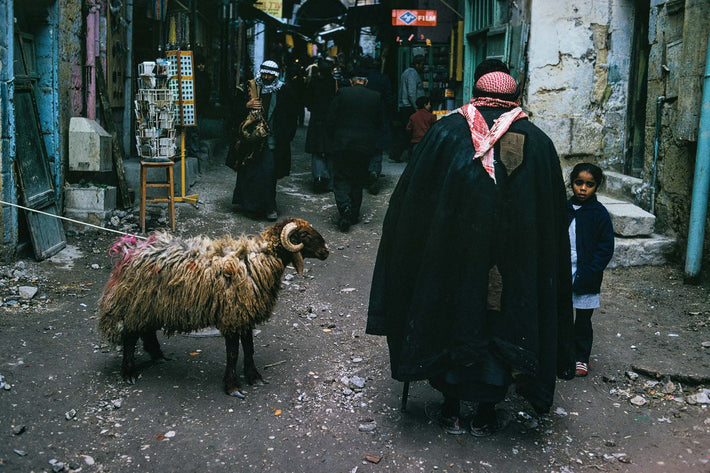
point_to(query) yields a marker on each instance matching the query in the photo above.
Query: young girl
(591, 237)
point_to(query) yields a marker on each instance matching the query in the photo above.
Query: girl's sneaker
(581, 369)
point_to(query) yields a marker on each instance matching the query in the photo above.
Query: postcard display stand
(182, 87)
(155, 114)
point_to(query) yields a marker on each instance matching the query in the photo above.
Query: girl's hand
(254, 104)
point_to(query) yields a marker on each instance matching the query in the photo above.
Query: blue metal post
(701, 183)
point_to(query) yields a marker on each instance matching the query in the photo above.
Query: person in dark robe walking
(471, 285)
(255, 190)
(379, 82)
(355, 117)
(320, 90)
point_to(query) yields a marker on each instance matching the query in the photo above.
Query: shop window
(482, 14)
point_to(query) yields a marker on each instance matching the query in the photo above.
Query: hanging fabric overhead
(157, 9)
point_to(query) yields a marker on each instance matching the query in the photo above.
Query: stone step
(635, 244)
(621, 186)
(629, 220)
(654, 250)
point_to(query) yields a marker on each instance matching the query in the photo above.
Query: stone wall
(69, 75)
(578, 69)
(678, 37)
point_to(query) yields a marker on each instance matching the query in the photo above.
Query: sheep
(183, 285)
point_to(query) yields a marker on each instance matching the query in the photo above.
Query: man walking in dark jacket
(356, 117)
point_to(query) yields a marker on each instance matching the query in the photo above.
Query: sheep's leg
(250, 372)
(231, 382)
(128, 369)
(152, 346)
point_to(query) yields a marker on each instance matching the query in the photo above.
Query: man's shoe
(345, 221)
(321, 184)
(272, 216)
(500, 422)
(373, 183)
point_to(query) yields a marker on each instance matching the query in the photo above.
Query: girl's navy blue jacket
(595, 244)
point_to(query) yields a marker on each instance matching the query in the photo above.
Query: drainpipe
(656, 139)
(128, 83)
(701, 183)
(92, 36)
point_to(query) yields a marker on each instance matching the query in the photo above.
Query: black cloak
(449, 226)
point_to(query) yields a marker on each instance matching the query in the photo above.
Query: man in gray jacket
(411, 87)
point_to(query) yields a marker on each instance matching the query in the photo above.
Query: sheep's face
(301, 240)
(313, 243)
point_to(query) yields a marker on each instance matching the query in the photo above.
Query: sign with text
(414, 17)
(272, 7)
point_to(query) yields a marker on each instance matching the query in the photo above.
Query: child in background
(591, 236)
(420, 122)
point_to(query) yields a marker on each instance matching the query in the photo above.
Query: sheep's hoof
(130, 379)
(236, 392)
(254, 377)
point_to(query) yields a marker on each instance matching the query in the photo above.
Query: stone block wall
(578, 72)
(678, 37)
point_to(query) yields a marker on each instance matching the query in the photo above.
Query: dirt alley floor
(330, 405)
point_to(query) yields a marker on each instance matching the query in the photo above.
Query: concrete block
(89, 146)
(90, 198)
(652, 251)
(92, 205)
(628, 219)
(98, 218)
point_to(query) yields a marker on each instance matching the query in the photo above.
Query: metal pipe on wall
(701, 184)
(92, 50)
(656, 144)
(128, 82)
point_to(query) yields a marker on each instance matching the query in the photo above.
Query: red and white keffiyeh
(484, 139)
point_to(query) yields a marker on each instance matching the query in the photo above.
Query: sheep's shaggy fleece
(227, 283)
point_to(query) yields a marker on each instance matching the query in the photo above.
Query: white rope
(69, 219)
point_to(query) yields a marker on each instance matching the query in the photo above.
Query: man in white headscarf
(255, 190)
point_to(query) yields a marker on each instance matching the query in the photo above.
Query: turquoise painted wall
(7, 127)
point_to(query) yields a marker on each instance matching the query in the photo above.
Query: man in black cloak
(472, 283)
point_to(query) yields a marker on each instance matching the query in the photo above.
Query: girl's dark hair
(592, 169)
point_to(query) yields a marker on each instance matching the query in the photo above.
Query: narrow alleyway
(330, 405)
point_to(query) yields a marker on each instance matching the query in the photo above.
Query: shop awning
(314, 14)
(367, 15)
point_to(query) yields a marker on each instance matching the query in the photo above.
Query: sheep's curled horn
(286, 232)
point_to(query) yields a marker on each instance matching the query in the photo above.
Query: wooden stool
(170, 198)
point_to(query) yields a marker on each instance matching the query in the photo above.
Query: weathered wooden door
(34, 178)
(638, 80)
